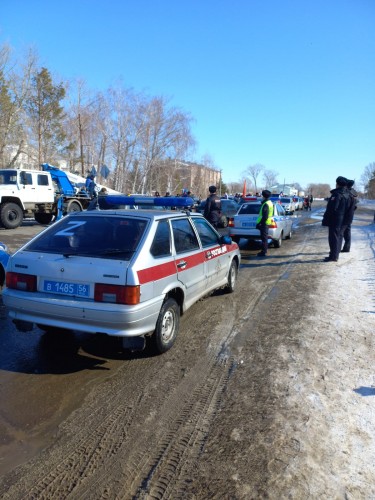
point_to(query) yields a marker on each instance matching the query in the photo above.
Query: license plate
(63, 288)
(248, 224)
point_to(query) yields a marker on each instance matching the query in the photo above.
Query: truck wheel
(11, 215)
(167, 325)
(43, 218)
(73, 206)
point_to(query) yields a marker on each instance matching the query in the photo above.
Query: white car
(286, 202)
(125, 273)
(243, 224)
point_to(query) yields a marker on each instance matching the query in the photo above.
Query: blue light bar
(158, 201)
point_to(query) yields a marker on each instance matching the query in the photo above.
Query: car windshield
(96, 236)
(249, 208)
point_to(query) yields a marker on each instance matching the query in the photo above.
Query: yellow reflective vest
(270, 212)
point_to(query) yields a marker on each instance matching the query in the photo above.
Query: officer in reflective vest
(264, 220)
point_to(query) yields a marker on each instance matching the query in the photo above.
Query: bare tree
(15, 80)
(166, 133)
(253, 171)
(367, 176)
(319, 190)
(270, 178)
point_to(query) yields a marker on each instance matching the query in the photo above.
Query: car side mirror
(225, 240)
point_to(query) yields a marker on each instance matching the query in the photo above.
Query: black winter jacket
(337, 213)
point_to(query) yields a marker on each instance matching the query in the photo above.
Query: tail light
(18, 281)
(231, 222)
(273, 225)
(117, 294)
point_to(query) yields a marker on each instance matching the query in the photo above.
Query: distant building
(283, 188)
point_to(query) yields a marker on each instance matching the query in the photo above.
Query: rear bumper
(86, 316)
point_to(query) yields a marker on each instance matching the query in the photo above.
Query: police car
(125, 273)
(243, 224)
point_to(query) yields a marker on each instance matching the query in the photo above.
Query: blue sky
(288, 84)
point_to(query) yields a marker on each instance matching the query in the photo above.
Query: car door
(189, 260)
(36, 187)
(216, 258)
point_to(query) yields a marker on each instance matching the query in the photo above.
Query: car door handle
(182, 264)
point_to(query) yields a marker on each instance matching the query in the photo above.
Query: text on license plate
(248, 224)
(67, 288)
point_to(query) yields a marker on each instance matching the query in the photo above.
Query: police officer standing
(336, 218)
(212, 208)
(348, 229)
(264, 220)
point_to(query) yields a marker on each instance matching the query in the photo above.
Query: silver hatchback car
(125, 273)
(243, 224)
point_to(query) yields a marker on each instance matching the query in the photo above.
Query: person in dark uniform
(336, 218)
(264, 220)
(212, 208)
(348, 230)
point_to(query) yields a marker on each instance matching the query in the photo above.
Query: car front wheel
(167, 326)
(232, 277)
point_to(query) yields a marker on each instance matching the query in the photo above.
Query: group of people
(338, 217)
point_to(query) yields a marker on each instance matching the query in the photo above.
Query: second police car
(125, 273)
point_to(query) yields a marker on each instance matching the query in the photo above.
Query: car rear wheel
(289, 235)
(232, 277)
(167, 326)
(277, 243)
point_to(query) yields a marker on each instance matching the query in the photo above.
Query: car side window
(207, 235)
(161, 246)
(184, 237)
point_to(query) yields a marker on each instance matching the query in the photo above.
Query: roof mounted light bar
(159, 201)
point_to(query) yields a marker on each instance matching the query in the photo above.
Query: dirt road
(268, 392)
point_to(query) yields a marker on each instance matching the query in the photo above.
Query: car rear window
(251, 208)
(102, 236)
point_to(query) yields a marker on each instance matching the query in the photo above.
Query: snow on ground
(336, 389)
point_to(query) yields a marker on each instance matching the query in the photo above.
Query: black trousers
(335, 237)
(264, 237)
(347, 238)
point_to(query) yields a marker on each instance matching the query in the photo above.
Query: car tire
(289, 235)
(167, 326)
(277, 243)
(232, 277)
